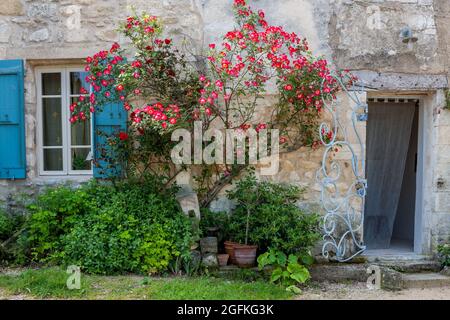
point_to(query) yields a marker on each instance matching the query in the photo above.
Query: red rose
(123, 136)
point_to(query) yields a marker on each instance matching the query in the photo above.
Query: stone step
(425, 280)
(405, 263)
(411, 266)
(338, 272)
(371, 257)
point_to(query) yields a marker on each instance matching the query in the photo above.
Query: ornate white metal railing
(344, 218)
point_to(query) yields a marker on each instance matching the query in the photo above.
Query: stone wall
(362, 35)
(441, 174)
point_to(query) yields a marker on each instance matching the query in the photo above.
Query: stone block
(209, 260)
(39, 35)
(76, 35)
(11, 7)
(5, 32)
(391, 279)
(337, 272)
(107, 35)
(189, 202)
(43, 11)
(208, 245)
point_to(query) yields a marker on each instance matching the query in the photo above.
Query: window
(63, 148)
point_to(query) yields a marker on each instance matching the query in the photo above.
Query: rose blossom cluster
(156, 115)
(112, 78)
(254, 53)
(102, 69)
(240, 68)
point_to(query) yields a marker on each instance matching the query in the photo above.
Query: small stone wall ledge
(401, 81)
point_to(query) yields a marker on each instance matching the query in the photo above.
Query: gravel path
(359, 291)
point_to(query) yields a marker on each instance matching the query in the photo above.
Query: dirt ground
(359, 291)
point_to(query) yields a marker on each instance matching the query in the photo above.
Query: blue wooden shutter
(12, 127)
(110, 121)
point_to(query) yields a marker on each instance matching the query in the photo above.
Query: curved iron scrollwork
(344, 218)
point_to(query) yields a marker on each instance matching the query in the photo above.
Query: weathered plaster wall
(440, 212)
(366, 35)
(361, 35)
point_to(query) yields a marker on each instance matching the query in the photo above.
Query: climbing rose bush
(163, 91)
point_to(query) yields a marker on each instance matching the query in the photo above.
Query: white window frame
(66, 125)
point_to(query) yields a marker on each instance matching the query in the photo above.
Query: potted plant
(244, 255)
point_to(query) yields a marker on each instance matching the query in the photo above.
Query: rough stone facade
(360, 35)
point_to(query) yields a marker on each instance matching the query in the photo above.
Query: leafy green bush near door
(275, 221)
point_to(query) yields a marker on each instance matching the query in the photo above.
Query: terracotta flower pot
(223, 259)
(245, 255)
(229, 248)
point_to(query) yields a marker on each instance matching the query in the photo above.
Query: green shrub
(274, 219)
(211, 219)
(136, 230)
(6, 225)
(52, 215)
(10, 249)
(108, 229)
(444, 254)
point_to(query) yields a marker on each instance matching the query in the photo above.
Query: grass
(50, 283)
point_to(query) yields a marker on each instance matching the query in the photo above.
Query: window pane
(79, 157)
(51, 118)
(53, 160)
(77, 81)
(51, 83)
(81, 133)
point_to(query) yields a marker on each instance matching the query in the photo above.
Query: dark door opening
(392, 144)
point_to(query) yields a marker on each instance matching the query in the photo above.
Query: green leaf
(294, 289)
(307, 259)
(300, 274)
(292, 259)
(286, 275)
(263, 260)
(281, 258)
(276, 274)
